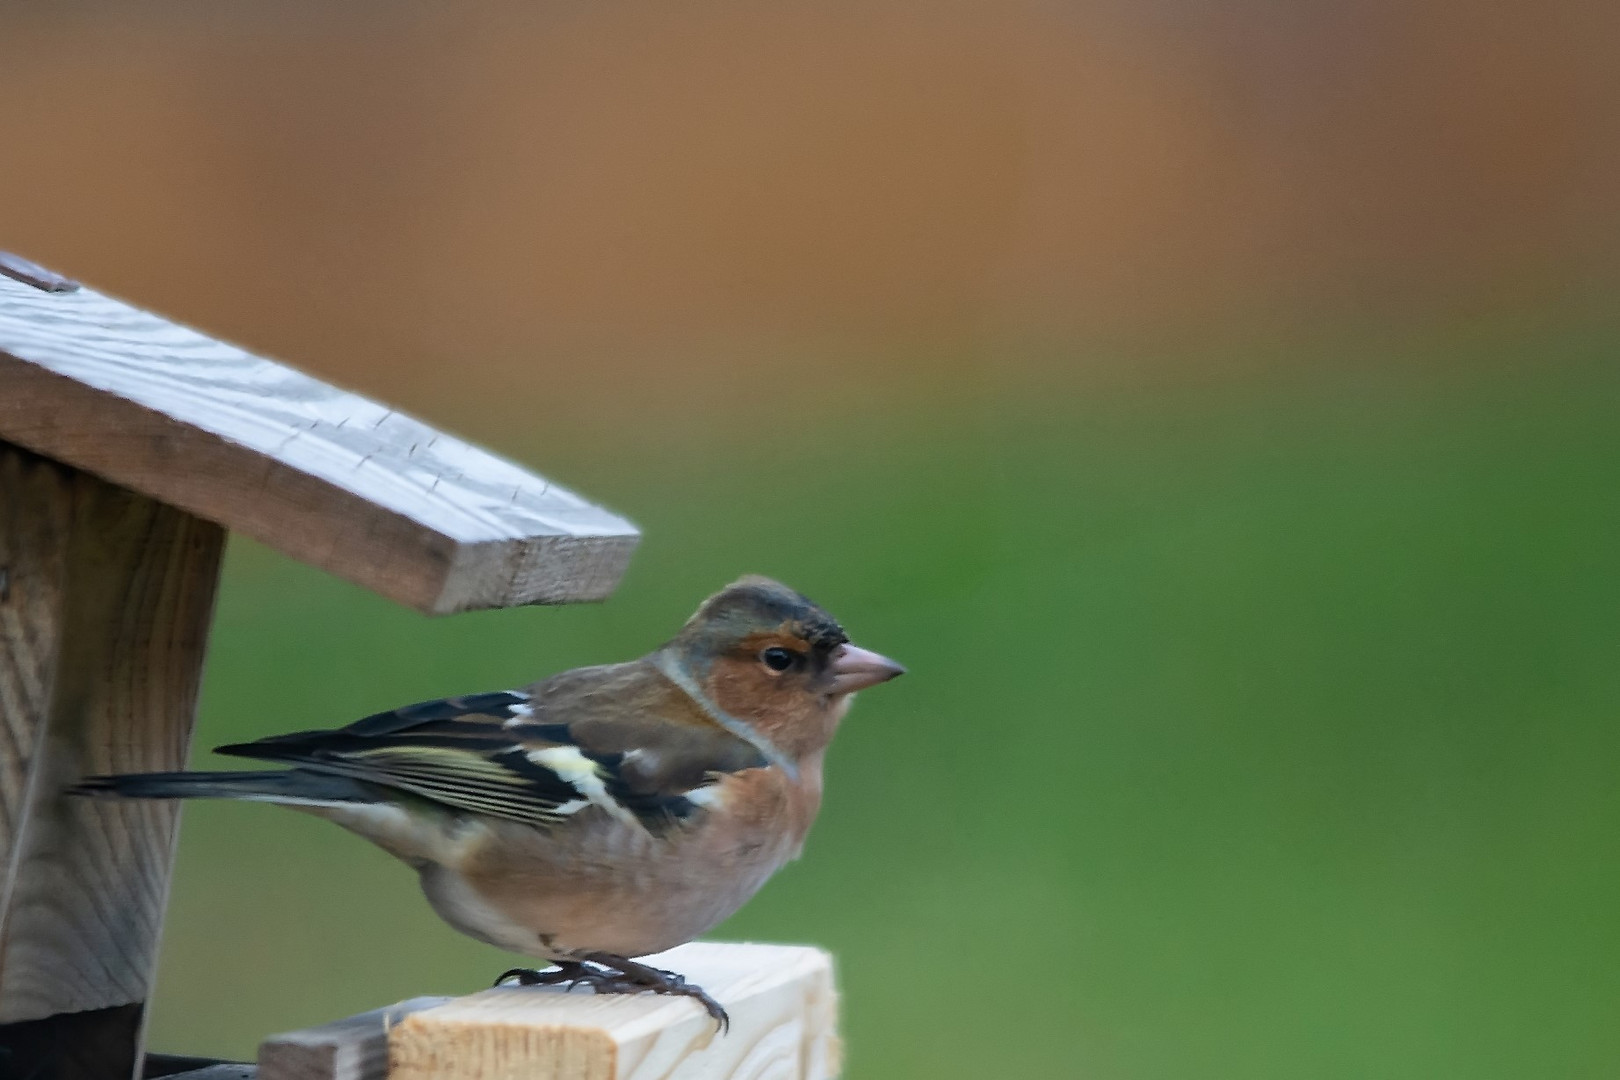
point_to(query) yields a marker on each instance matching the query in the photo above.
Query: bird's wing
(620, 737)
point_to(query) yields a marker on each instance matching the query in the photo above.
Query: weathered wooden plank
(355, 1048)
(325, 476)
(781, 998)
(103, 622)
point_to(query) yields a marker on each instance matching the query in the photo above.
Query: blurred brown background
(385, 190)
(1213, 405)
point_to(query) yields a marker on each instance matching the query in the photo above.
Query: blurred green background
(1216, 410)
(1264, 731)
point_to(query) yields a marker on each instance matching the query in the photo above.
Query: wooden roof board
(326, 476)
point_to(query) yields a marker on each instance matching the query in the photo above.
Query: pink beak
(854, 668)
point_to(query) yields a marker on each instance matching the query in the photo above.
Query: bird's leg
(633, 978)
(566, 971)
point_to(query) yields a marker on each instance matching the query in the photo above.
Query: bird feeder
(129, 446)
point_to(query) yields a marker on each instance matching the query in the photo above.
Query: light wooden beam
(784, 1026)
(325, 476)
(782, 1001)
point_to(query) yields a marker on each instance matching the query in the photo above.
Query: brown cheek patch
(743, 688)
(780, 709)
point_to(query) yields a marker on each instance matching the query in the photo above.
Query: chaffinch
(601, 814)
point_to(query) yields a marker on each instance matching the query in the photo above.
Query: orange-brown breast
(603, 884)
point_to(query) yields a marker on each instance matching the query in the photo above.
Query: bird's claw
(634, 977)
(565, 972)
(617, 975)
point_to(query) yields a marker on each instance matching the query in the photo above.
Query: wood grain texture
(355, 1048)
(327, 477)
(102, 634)
(781, 998)
(36, 511)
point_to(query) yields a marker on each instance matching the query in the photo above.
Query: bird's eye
(777, 658)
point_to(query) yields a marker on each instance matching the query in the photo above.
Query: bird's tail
(293, 786)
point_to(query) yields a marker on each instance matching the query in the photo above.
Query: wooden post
(105, 599)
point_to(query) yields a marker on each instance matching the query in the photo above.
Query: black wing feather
(497, 703)
(472, 754)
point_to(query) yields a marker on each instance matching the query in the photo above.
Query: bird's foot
(633, 978)
(567, 971)
(609, 974)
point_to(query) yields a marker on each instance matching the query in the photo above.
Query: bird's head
(775, 663)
